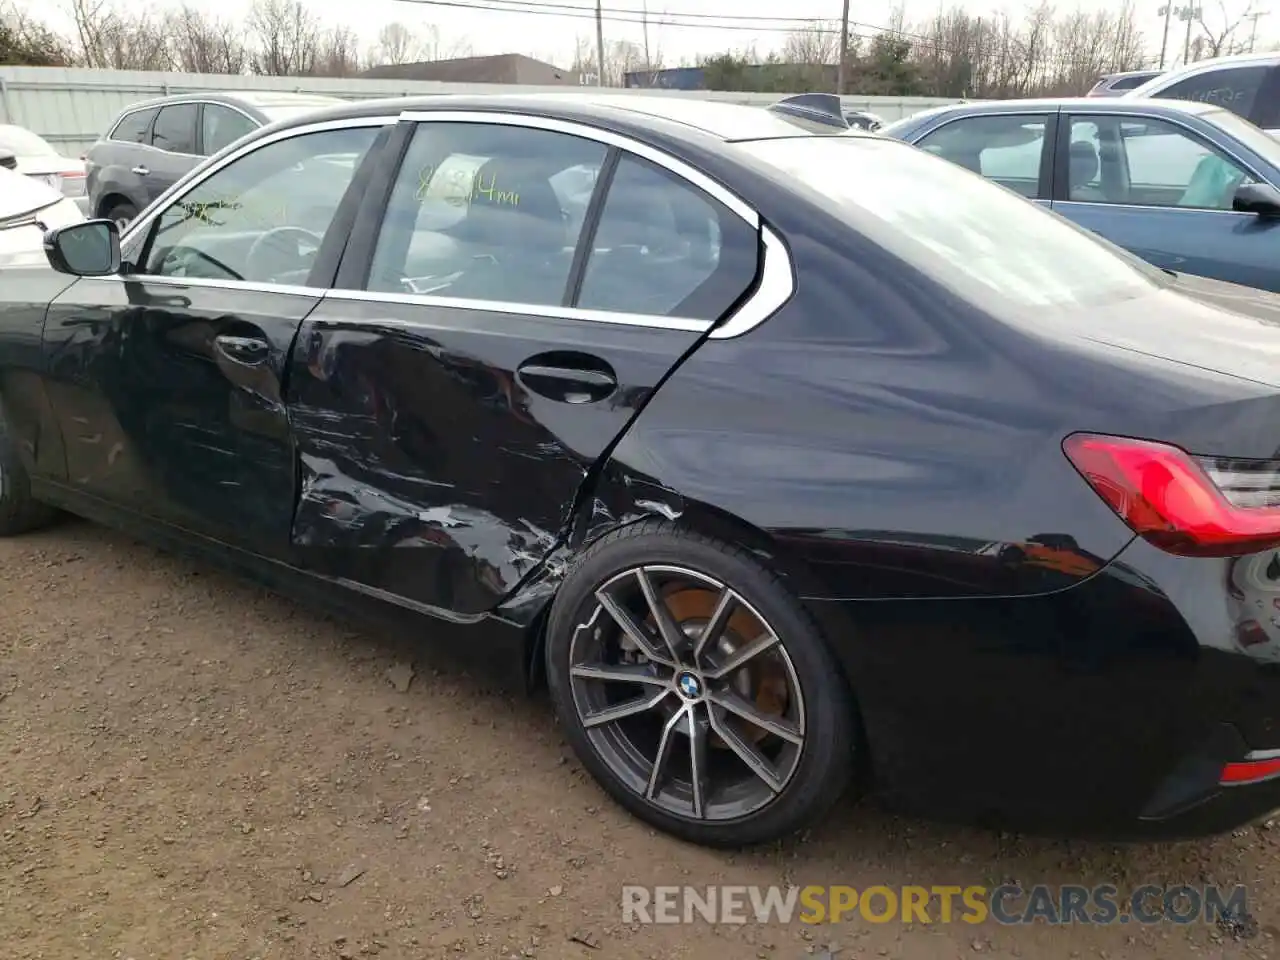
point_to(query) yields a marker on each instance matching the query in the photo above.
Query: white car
(27, 209)
(38, 159)
(1247, 84)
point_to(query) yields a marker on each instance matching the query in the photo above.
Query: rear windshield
(970, 234)
(1131, 83)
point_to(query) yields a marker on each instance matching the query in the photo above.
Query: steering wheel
(276, 240)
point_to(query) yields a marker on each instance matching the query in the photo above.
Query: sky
(552, 38)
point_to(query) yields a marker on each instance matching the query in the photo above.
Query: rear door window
(486, 212)
(664, 248)
(175, 129)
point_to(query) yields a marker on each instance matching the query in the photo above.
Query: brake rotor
(762, 680)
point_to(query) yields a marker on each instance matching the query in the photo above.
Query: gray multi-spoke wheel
(696, 688)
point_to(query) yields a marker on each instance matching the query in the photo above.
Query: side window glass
(262, 217)
(1084, 177)
(175, 129)
(1007, 150)
(221, 126)
(1233, 89)
(134, 127)
(486, 212)
(1130, 83)
(1151, 163)
(664, 248)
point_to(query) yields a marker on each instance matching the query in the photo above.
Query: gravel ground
(194, 768)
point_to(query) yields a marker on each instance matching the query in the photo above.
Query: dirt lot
(193, 767)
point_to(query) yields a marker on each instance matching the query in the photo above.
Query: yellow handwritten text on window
(459, 182)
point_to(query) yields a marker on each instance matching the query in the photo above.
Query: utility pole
(1253, 30)
(599, 45)
(648, 69)
(1189, 13)
(1166, 11)
(844, 50)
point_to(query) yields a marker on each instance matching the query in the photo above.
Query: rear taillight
(1191, 506)
(73, 183)
(1250, 633)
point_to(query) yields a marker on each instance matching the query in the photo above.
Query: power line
(754, 24)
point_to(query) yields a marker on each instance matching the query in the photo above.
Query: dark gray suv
(150, 145)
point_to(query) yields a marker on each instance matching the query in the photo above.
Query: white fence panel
(71, 107)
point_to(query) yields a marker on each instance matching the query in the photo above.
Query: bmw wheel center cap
(690, 687)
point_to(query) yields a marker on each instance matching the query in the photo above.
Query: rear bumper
(1108, 710)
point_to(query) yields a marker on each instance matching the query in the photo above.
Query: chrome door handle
(141, 170)
(250, 350)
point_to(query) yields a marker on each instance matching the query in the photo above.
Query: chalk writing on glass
(462, 184)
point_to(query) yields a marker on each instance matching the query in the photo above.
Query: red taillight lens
(1191, 506)
(1250, 633)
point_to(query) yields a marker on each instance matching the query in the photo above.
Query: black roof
(671, 114)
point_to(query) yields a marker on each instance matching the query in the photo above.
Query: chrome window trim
(776, 284)
(548, 311)
(247, 286)
(157, 107)
(585, 130)
(776, 287)
(1151, 206)
(189, 183)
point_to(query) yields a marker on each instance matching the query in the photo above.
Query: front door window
(1148, 162)
(262, 217)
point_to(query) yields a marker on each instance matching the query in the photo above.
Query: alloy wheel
(687, 693)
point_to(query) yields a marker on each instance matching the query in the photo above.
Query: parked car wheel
(696, 689)
(123, 214)
(19, 512)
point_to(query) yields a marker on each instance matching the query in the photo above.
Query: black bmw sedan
(783, 459)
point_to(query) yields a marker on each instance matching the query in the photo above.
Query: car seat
(1083, 171)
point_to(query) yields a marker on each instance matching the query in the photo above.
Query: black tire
(19, 512)
(821, 765)
(122, 213)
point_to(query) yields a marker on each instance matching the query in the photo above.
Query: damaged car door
(167, 379)
(505, 307)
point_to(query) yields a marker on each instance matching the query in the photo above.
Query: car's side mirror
(1260, 198)
(8, 160)
(90, 248)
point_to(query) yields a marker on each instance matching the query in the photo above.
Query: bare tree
(1219, 39)
(205, 44)
(26, 41)
(286, 38)
(431, 46)
(337, 54)
(114, 40)
(817, 45)
(396, 44)
(620, 58)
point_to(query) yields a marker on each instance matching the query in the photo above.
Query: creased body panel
(158, 418)
(28, 415)
(416, 432)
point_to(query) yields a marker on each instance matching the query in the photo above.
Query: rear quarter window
(134, 127)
